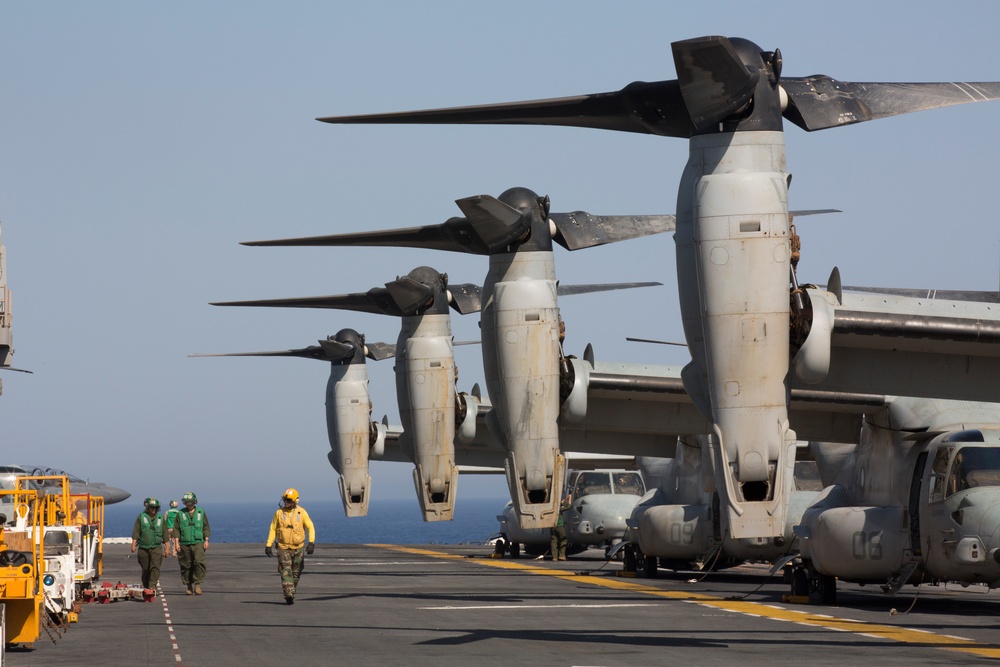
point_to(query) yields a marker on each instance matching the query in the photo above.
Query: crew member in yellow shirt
(289, 527)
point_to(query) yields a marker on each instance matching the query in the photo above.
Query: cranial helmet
(153, 502)
(291, 494)
(173, 503)
(189, 498)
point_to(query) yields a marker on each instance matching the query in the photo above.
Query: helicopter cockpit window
(592, 482)
(629, 483)
(973, 467)
(939, 472)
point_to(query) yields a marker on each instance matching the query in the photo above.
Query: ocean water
(388, 522)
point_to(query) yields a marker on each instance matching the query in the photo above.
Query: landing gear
(649, 565)
(806, 582)
(826, 588)
(630, 560)
(503, 546)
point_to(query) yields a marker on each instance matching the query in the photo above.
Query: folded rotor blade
(580, 229)
(455, 235)
(496, 224)
(311, 352)
(648, 108)
(409, 295)
(380, 351)
(818, 102)
(571, 290)
(714, 82)
(466, 298)
(361, 302)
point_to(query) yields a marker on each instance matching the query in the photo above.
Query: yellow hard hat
(290, 494)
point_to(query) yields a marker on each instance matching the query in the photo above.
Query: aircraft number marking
(867, 545)
(682, 533)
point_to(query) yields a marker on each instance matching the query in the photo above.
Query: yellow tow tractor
(73, 526)
(22, 567)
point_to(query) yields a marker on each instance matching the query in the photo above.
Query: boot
(188, 590)
(197, 588)
(289, 600)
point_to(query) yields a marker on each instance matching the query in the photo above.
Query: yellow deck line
(763, 610)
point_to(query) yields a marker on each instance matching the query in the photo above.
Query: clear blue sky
(141, 141)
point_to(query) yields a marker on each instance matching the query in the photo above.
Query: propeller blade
(466, 298)
(455, 235)
(571, 290)
(311, 352)
(818, 102)
(409, 295)
(496, 224)
(653, 340)
(714, 82)
(367, 302)
(647, 108)
(380, 351)
(580, 229)
(813, 211)
(335, 350)
(16, 370)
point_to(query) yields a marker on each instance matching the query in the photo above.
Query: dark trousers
(150, 561)
(192, 561)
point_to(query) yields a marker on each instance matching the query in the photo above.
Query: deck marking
(770, 611)
(541, 606)
(170, 627)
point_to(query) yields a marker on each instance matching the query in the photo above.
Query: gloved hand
(267, 551)
(311, 547)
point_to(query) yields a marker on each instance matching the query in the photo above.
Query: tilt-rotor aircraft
(528, 377)
(354, 437)
(432, 409)
(734, 262)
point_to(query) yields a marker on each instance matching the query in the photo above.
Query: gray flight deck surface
(454, 605)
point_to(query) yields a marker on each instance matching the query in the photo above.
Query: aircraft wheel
(630, 562)
(515, 550)
(800, 582)
(500, 547)
(826, 587)
(649, 565)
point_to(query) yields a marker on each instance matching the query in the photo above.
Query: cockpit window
(973, 467)
(8, 477)
(592, 482)
(629, 483)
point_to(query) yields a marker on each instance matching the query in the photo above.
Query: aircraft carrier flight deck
(456, 605)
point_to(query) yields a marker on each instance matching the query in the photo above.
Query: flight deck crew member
(190, 533)
(557, 534)
(289, 526)
(171, 519)
(149, 534)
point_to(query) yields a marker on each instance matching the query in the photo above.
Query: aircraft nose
(112, 494)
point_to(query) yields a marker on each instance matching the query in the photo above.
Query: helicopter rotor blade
(580, 229)
(572, 290)
(714, 82)
(360, 302)
(819, 102)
